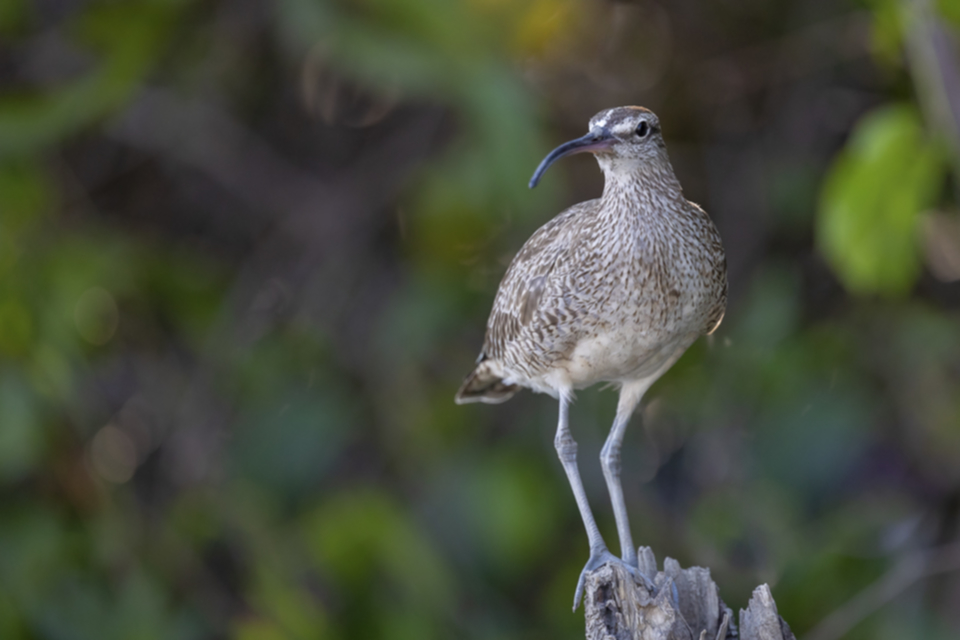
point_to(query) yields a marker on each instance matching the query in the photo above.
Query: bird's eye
(642, 129)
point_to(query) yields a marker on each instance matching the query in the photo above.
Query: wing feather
(521, 292)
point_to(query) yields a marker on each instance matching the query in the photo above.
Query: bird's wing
(718, 273)
(522, 288)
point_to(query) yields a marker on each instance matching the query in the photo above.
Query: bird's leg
(610, 461)
(567, 450)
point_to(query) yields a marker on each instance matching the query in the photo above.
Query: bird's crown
(626, 123)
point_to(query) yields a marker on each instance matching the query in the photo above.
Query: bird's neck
(640, 190)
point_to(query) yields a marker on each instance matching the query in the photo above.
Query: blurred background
(248, 248)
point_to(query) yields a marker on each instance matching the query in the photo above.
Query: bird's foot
(600, 557)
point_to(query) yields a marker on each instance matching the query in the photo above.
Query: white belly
(616, 358)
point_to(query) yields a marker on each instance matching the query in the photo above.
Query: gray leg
(610, 460)
(630, 395)
(567, 450)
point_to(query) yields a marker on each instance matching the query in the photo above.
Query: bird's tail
(483, 385)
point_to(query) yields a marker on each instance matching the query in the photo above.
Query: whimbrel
(611, 290)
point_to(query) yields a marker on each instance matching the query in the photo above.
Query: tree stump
(685, 605)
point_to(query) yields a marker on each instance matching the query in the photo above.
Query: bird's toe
(600, 557)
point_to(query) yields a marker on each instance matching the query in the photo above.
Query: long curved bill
(593, 141)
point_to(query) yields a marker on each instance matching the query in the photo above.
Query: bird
(612, 290)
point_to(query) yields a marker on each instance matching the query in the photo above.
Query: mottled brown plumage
(611, 290)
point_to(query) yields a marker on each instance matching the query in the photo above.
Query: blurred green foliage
(872, 200)
(124, 41)
(225, 417)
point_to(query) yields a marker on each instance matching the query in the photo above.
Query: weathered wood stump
(685, 605)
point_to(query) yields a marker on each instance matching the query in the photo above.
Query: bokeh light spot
(113, 455)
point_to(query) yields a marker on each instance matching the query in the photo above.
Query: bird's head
(622, 139)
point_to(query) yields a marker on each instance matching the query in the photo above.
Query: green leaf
(869, 209)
